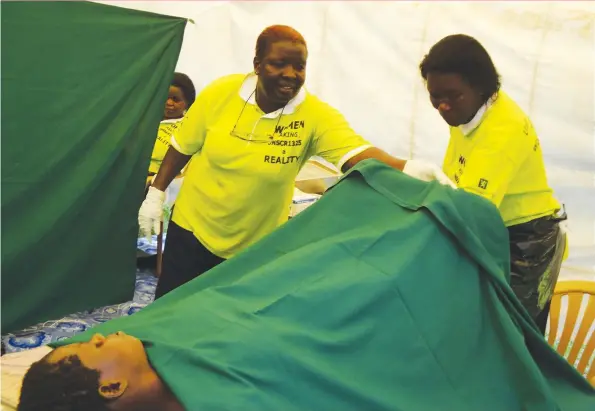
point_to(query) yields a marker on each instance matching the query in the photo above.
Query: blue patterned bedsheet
(56, 330)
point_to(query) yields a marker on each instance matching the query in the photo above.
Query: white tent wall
(364, 59)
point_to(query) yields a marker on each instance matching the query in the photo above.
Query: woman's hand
(150, 214)
(422, 170)
(425, 171)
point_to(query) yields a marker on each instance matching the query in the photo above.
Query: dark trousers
(536, 251)
(184, 259)
(541, 319)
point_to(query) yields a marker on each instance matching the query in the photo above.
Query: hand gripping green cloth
(388, 294)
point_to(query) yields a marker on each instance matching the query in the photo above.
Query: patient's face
(175, 104)
(115, 356)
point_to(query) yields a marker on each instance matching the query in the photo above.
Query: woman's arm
(171, 165)
(339, 144)
(378, 154)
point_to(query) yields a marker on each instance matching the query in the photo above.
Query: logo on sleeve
(483, 184)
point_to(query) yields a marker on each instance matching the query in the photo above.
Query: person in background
(494, 152)
(180, 98)
(248, 137)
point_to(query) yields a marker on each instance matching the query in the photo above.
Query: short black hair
(182, 81)
(273, 34)
(463, 55)
(66, 385)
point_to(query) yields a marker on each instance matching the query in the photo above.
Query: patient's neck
(160, 402)
(156, 396)
(171, 403)
(166, 400)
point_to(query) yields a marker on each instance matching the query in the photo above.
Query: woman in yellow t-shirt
(248, 136)
(494, 152)
(180, 98)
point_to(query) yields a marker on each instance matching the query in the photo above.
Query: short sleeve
(189, 137)
(334, 139)
(496, 159)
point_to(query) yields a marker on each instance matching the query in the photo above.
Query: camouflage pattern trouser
(536, 251)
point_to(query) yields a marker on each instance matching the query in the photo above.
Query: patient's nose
(97, 339)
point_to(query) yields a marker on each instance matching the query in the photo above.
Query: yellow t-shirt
(237, 191)
(498, 156)
(166, 129)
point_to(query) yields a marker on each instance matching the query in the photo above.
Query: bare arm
(171, 165)
(378, 154)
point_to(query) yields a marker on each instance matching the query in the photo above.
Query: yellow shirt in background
(166, 129)
(237, 191)
(498, 156)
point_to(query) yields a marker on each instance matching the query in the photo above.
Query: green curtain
(83, 88)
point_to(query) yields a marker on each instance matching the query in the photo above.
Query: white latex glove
(150, 214)
(425, 171)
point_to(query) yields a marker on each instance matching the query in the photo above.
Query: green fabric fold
(388, 294)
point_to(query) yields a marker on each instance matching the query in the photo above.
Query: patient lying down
(392, 313)
(106, 373)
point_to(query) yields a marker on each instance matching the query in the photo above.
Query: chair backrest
(569, 347)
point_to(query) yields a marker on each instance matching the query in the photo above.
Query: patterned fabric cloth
(56, 330)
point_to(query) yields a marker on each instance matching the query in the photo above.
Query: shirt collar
(466, 129)
(171, 120)
(248, 95)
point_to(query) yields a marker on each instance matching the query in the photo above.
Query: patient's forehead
(65, 351)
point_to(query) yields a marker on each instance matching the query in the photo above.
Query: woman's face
(281, 72)
(175, 104)
(456, 101)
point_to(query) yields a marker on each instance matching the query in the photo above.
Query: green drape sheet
(388, 294)
(83, 89)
